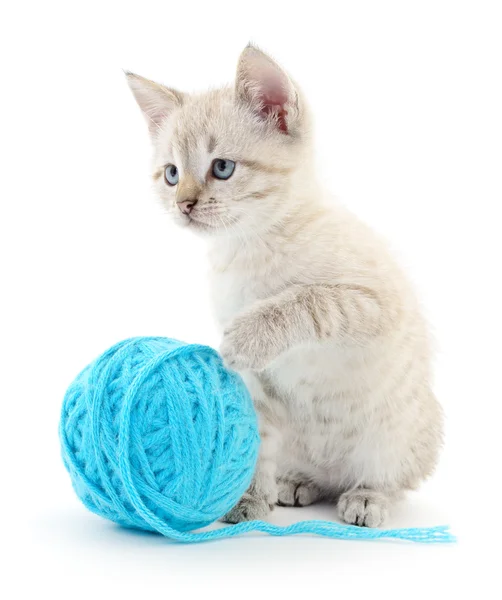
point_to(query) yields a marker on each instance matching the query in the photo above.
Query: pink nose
(186, 206)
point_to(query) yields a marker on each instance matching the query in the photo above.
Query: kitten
(315, 314)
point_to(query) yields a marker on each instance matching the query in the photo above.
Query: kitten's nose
(186, 206)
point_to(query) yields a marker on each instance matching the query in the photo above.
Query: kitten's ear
(155, 100)
(262, 83)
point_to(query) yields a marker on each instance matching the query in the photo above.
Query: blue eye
(171, 174)
(223, 168)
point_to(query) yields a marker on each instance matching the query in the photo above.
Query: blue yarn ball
(158, 435)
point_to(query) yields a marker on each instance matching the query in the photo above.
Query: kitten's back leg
(365, 507)
(261, 497)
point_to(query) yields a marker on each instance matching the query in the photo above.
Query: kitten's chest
(237, 282)
(232, 292)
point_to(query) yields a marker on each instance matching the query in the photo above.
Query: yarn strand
(329, 529)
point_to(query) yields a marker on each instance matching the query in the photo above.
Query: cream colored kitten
(315, 314)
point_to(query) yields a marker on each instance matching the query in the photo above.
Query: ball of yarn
(158, 435)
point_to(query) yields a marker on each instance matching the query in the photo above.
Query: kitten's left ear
(262, 83)
(155, 100)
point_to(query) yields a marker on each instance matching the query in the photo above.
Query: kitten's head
(225, 160)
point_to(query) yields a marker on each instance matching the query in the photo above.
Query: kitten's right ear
(155, 100)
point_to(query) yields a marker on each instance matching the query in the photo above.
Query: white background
(408, 103)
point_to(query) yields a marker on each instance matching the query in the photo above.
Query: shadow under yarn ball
(158, 435)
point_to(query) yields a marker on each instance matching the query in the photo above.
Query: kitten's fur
(315, 314)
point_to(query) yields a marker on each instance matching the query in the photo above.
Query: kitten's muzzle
(186, 206)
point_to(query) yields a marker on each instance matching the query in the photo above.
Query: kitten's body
(316, 315)
(339, 414)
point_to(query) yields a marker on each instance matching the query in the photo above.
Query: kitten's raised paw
(365, 508)
(249, 508)
(295, 493)
(248, 342)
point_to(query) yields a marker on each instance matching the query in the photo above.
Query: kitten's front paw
(365, 508)
(297, 493)
(248, 343)
(249, 508)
